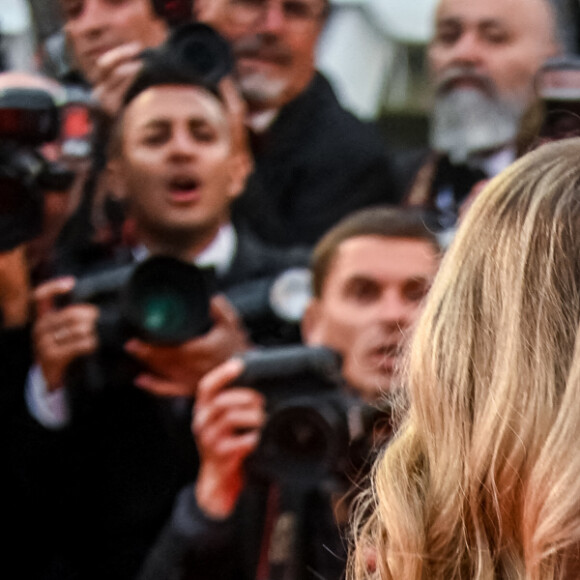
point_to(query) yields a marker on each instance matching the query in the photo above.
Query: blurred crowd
(210, 271)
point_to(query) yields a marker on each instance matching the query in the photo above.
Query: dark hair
(385, 221)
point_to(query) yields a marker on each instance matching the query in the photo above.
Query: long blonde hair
(483, 478)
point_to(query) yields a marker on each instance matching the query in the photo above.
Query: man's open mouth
(183, 186)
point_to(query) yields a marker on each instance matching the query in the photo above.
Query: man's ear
(241, 164)
(114, 182)
(310, 324)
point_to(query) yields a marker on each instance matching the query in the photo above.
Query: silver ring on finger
(61, 335)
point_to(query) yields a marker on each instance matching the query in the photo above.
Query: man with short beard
(482, 58)
(370, 274)
(314, 161)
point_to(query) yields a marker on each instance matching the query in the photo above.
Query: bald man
(482, 60)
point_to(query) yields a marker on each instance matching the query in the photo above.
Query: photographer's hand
(14, 287)
(176, 370)
(237, 111)
(115, 71)
(226, 425)
(61, 336)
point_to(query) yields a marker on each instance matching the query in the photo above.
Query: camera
(161, 300)
(316, 428)
(165, 301)
(558, 89)
(29, 118)
(194, 53)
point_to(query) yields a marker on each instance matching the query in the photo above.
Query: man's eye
(203, 133)
(155, 138)
(496, 37)
(250, 3)
(363, 292)
(416, 290)
(72, 9)
(298, 9)
(447, 36)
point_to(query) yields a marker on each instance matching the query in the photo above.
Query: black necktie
(460, 178)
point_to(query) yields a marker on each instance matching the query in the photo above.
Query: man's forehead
(168, 101)
(504, 11)
(384, 256)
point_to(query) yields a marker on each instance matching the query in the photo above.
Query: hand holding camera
(62, 335)
(14, 287)
(227, 423)
(175, 371)
(116, 71)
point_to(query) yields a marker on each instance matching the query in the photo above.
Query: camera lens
(163, 311)
(166, 301)
(304, 438)
(201, 50)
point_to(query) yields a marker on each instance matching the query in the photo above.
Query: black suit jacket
(432, 173)
(315, 164)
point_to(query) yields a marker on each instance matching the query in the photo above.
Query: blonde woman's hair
(482, 480)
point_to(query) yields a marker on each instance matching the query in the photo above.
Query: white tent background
(17, 34)
(364, 50)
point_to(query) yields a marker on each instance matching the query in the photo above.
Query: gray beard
(466, 121)
(259, 89)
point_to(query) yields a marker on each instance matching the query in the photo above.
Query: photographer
(176, 161)
(40, 183)
(370, 275)
(33, 208)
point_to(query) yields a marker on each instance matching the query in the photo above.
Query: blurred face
(483, 59)
(57, 205)
(274, 42)
(177, 170)
(503, 41)
(370, 298)
(94, 27)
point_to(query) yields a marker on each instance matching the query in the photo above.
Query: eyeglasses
(294, 11)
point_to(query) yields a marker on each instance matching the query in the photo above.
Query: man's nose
(93, 16)
(182, 144)
(394, 311)
(467, 49)
(273, 18)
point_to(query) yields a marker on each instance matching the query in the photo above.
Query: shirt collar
(492, 164)
(260, 122)
(219, 254)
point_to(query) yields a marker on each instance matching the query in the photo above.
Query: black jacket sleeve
(192, 545)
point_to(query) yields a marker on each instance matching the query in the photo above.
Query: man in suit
(482, 58)
(176, 161)
(314, 161)
(370, 274)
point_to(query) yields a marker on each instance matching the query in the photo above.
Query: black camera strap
(284, 549)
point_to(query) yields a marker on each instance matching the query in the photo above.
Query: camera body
(165, 301)
(317, 429)
(29, 118)
(161, 300)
